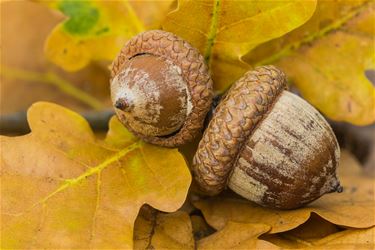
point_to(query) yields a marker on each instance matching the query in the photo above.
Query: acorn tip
(339, 188)
(121, 104)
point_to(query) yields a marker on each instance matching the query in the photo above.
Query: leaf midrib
(89, 172)
(292, 47)
(212, 34)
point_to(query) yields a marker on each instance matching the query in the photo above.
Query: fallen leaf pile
(63, 188)
(335, 221)
(338, 220)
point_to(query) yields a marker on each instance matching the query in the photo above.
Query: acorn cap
(236, 117)
(193, 70)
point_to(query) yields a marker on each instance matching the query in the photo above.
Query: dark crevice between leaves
(370, 75)
(360, 140)
(200, 231)
(148, 213)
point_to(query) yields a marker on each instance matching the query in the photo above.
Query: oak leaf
(237, 236)
(354, 239)
(93, 30)
(355, 207)
(26, 72)
(200, 227)
(346, 239)
(152, 13)
(224, 31)
(63, 188)
(314, 228)
(155, 230)
(330, 59)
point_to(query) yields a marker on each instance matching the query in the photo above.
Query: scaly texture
(194, 71)
(245, 105)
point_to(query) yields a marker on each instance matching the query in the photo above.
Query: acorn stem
(122, 104)
(339, 188)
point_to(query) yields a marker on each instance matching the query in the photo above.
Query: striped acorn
(268, 145)
(161, 88)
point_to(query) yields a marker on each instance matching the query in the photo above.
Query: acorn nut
(161, 88)
(268, 145)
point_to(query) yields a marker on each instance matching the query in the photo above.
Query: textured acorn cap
(193, 70)
(237, 115)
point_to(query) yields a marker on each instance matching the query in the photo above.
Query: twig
(16, 123)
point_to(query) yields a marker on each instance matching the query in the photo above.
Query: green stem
(52, 79)
(212, 32)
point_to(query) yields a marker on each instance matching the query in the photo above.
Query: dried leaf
(26, 73)
(304, 235)
(156, 230)
(224, 31)
(200, 227)
(329, 15)
(152, 13)
(355, 207)
(328, 58)
(237, 236)
(347, 239)
(62, 188)
(314, 228)
(93, 30)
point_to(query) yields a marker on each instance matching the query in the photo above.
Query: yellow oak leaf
(155, 230)
(355, 207)
(237, 236)
(63, 188)
(313, 229)
(93, 30)
(224, 31)
(347, 239)
(152, 13)
(329, 59)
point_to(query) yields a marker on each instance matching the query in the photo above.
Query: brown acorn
(161, 88)
(268, 145)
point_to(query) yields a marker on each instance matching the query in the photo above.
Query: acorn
(161, 88)
(267, 145)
